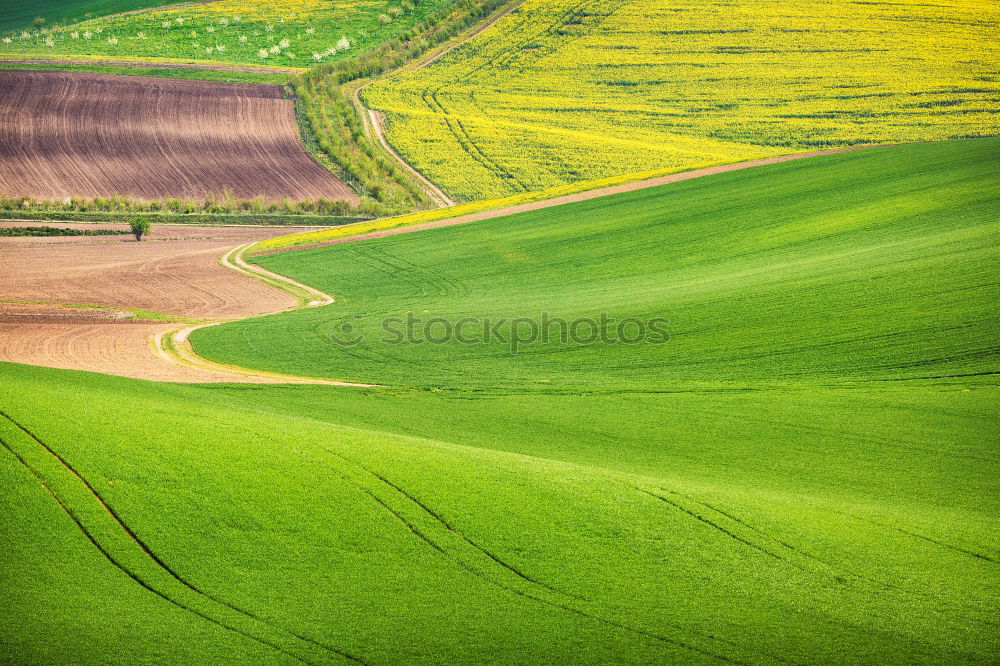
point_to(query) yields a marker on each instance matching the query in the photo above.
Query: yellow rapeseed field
(572, 90)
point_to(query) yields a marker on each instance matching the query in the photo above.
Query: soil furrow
(66, 134)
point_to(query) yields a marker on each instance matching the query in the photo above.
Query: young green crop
(808, 475)
(872, 265)
(563, 91)
(21, 15)
(159, 72)
(747, 526)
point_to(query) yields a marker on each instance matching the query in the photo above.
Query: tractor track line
(838, 573)
(151, 555)
(521, 593)
(504, 586)
(942, 544)
(436, 516)
(714, 526)
(462, 135)
(110, 558)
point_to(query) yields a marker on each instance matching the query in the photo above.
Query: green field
(805, 472)
(292, 33)
(18, 15)
(863, 266)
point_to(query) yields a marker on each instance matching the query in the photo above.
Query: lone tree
(139, 226)
(38, 22)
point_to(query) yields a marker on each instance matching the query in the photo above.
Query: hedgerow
(223, 205)
(332, 126)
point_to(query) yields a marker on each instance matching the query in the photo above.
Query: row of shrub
(160, 217)
(213, 204)
(334, 130)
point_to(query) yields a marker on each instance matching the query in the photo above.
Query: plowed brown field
(68, 134)
(176, 271)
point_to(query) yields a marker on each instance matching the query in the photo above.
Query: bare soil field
(66, 134)
(176, 271)
(118, 348)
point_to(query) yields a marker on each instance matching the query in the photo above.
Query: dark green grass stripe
(936, 542)
(718, 527)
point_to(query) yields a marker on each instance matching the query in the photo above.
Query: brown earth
(66, 134)
(176, 271)
(45, 313)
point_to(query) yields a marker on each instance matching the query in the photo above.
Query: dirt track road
(183, 276)
(374, 121)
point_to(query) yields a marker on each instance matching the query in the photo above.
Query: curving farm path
(99, 303)
(374, 121)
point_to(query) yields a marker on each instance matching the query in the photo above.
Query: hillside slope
(839, 525)
(867, 266)
(805, 472)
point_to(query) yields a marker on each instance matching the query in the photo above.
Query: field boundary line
(504, 210)
(151, 61)
(149, 65)
(175, 347)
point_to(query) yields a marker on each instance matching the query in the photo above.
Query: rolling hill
(864, 266)
(803, 472)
